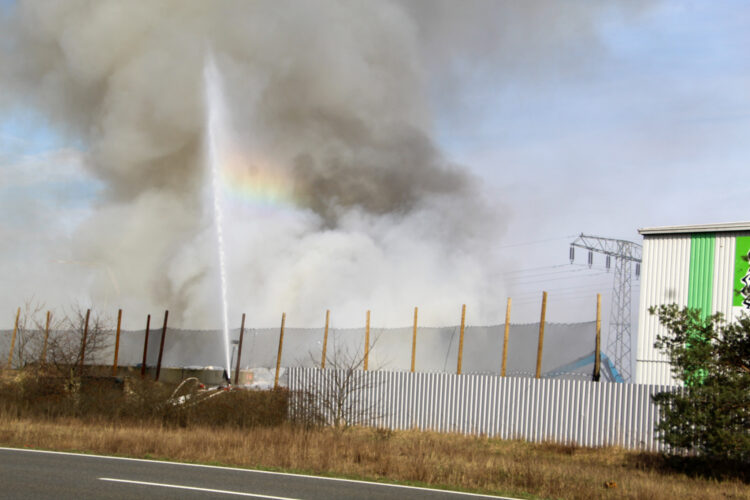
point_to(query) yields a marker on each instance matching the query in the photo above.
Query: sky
(649, 134)
(597, 119)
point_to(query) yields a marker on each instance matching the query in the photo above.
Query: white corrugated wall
(664, 280)
(564, 411)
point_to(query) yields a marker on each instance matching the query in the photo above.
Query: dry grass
(444, 460)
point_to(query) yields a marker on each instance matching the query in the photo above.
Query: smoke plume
(330, 99)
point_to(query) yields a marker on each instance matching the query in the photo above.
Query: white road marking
(195, 488)
(258, 471)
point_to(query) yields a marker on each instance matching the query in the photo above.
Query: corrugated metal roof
(698, 228)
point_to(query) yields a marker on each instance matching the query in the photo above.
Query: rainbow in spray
(255, 183)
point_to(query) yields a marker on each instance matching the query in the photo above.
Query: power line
(562, 278)
(572, 274)
(565, 298)
(513, 245)
(548, 273)
(535, 269)
(541, 269)
(603, 288)
(589, 286)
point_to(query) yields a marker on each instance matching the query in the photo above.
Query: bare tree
(29, 338)
(63, 347)
(342, 395)
(66, 346)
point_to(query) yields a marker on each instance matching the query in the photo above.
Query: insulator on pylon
(637, 269)
(608, 262)
(572, 254)
(591, 258)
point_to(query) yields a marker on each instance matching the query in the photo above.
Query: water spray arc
(215, 123)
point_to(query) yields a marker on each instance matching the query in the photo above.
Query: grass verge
(452, 461)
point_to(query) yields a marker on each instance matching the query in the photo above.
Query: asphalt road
(44, 474)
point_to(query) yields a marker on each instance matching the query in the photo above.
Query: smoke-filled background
(336, 196)
(355, 179)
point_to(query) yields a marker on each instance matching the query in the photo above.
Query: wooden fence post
(13, 339)
(325, 341)
(117, 342)
(505, 339)
(598, 347)
(278, 355)
(367, 340)
(540, 348)
(461, 339)
(161, 345)
(414, 340)
(145, 346)
(239, 350)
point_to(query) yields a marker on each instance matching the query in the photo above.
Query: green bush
(710, 415)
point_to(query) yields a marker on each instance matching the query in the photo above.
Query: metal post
(161, 345)
(461, 339)
(145, 346)
(46, 337)
(414, 340)
(598, 348)
(13, 339)
(117, 342)
(83, 342)
(367, 340)
(278, 355)
(325, 341)
(618, 338)
(239, 351)
(541, 337)
(505, 338)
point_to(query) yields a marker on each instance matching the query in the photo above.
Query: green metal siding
(700, 285)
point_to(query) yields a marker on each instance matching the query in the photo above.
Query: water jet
(216, 136)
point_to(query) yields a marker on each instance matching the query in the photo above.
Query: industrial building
(700, 266)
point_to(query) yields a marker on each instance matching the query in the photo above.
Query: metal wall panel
(664, 280)
(564, 411)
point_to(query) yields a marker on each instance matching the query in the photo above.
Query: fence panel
(564, 411)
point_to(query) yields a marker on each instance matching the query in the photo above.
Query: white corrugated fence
(566, 411)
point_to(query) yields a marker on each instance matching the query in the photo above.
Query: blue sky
(665, 104)
(649, 127)
(651, 130)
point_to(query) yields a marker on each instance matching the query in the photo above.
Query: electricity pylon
(625, 252)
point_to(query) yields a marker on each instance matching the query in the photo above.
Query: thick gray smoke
(329, 99)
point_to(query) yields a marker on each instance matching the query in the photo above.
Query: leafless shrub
(342, 395)
(66, 347)
(29, 337)
(58, 346)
